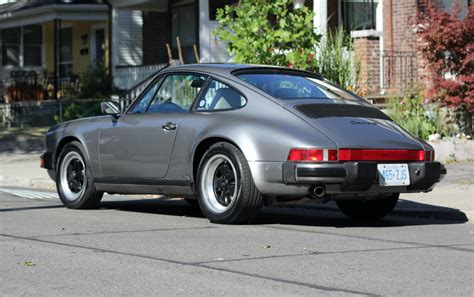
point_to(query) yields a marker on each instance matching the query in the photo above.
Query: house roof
(15, 6)
(26, 12)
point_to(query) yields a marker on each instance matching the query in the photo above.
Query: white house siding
(129, 37)
(212, 49)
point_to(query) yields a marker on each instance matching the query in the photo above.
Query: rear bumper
(359, 176)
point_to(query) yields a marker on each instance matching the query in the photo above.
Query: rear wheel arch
(227, 194)
(201, 149)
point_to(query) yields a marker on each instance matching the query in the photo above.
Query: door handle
(169, 126)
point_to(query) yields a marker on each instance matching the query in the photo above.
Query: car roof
(227, 68)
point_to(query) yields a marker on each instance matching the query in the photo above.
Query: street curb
(37, 183)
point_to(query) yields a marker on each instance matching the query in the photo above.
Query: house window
(65, 65)
(32, 45)
(463, 5)
(358, 14)
(98, 46)
(11, 41)
(22, 46)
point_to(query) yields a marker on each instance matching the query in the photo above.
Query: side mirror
(109, 107)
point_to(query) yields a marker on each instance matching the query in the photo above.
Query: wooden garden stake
(196, 54)
(180, 53)
(170, 56)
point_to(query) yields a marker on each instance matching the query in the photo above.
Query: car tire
(74, 181)
(368, 209)
(226, 190)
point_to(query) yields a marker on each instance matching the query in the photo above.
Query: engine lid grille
(316, 111)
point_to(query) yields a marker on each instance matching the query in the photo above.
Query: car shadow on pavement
(328, 215)
(406, 213)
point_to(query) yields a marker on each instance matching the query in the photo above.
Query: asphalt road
(166, 247)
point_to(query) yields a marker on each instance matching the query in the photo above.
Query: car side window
(144, 101)
(177, 93)
(220, 96)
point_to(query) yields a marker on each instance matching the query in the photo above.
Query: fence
(399, 71)
(127, 77)
(34, 113)
(28, 85)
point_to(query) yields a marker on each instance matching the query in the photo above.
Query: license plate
(393, 175)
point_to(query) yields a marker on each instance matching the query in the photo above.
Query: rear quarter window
(291, 86)
(219, 96)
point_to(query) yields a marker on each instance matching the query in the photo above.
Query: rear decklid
(354, 125)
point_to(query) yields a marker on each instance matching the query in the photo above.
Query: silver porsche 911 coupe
(230, 137)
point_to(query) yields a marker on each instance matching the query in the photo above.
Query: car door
(139, 144)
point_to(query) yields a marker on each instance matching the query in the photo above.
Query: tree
(447, 44)
(269, 32)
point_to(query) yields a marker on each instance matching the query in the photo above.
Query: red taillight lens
(381, 155)
(334, 155)
(429, 155)
(313, 155)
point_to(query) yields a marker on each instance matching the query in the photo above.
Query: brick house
(390, 60)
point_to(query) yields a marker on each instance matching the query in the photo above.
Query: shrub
(420, 117)
(95, 83)
(269, 32)
(335, 59)
(77, 109)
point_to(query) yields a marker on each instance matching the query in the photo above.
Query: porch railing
(399, 71)
(29, 85)
(127, 77)
(133, 80)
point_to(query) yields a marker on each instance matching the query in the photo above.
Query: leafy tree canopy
(447, 44)
(269, 32)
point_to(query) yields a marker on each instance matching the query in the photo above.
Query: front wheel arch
(62, 143)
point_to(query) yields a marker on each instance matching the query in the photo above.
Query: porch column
(204, 31)
(56, 53)
(320, 8)
(113, 52)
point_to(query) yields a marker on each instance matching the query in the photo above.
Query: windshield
(294, 86)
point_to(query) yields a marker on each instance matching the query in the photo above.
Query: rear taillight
(429, 155)
(381, 155)
(313, 155)
(334, 155)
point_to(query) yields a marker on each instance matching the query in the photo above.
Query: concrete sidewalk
(23, 170)
(452, 197)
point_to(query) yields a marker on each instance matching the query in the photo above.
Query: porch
(47, 45)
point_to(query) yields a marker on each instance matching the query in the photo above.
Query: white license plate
(393, 175)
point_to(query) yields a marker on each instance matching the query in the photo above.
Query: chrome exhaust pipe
(319, 191)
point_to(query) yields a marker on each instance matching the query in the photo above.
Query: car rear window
(287, 86)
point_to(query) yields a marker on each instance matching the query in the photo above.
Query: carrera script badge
(363, 123)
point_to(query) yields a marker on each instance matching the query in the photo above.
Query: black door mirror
(109, 107)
